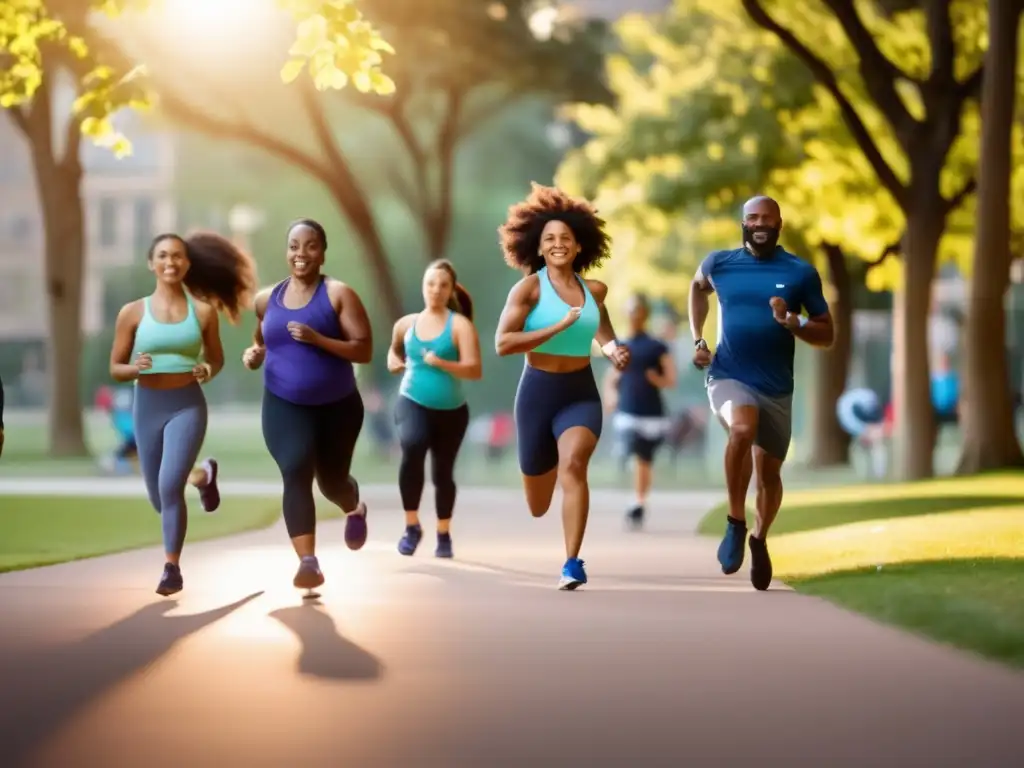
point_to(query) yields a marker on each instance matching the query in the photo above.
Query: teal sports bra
(577, 339)
(174, 347)
(424, 384)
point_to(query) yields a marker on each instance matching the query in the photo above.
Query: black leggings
(440, 432)
(310, 441)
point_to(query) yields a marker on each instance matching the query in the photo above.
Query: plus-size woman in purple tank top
(311, 330)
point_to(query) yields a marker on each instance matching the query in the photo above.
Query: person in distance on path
(640, 409)
(762, 291)
(311, 329)
(553, 315)
(158, 342)
(434, 350)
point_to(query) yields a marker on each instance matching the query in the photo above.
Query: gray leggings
(170, 425)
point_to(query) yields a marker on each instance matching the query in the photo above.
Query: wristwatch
(700, 344)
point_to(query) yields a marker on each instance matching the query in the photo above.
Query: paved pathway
(660, 661)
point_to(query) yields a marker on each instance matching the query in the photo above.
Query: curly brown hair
(219, 272)
(520, 234)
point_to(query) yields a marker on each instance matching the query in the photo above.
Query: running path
(410, 662)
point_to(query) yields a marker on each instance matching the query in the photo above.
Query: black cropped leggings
(313, 441)
(440, 432)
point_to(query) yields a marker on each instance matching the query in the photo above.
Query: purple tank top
(297, 372)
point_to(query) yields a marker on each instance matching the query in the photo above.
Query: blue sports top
(577, 339)
(174, 347)
(425, 384)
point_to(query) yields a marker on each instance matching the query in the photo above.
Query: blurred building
(126, 202)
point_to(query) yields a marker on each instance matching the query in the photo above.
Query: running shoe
(760, 564)
(731, 550)
(309, 575)
(209, 494)
(444, 546)
(171, 581)
(573, 574)
(355, 527)
(410, 540)
(635, 517)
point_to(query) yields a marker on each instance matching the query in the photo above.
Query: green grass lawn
(944, 558)
(43, 530)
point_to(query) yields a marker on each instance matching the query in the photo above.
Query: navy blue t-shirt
(637, 396)
(753, 347)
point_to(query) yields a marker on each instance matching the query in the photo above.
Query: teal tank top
(424, 384)
(574, 341)
(174, 347)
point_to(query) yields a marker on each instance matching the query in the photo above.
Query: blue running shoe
(171, 581)
(410, 540)
(573, 574)
(731, 550)
(444, 546)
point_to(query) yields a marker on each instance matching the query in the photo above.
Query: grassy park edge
(942, 558)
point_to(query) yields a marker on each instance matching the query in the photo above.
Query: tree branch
(893, 249)
(20, 120)
(971, 87)
(183, 112)
(965, 191)
(824, 75)
(447, 138)
(878, 71)
(940, 40)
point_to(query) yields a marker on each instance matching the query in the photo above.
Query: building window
(108, 222)
(142, 225)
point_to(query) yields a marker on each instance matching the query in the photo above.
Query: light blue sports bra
(577, 339)
(174, 347)
(425, 384)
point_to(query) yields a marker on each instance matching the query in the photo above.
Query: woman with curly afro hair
(553, 315)
(158, 342)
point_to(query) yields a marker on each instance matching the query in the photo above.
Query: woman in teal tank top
(158, 343)
(554, 315)
(434, 350)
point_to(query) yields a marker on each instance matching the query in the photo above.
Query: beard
(762, 246)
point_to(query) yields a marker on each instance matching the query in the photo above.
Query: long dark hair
(460, 301)
(219, 272)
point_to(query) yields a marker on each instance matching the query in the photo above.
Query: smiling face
(305, 251)
(558, 244)
(437, 288)
(168, 260)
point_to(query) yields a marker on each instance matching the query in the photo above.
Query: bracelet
(804, 320)
(610, 347)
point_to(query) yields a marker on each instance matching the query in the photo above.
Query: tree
(462, 63)
(990, 439)
(41, 41)
(689, 84)
(922, 105)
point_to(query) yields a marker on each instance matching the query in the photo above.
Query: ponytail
(460, 301)
(219, 272)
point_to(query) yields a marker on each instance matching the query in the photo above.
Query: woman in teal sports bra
(553, 315)
(158, 343)
(434, 350)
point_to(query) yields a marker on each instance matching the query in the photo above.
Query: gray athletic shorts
(775, 414)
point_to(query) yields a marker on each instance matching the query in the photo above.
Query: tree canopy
(334, 43)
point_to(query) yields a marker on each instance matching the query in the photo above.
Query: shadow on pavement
(325, 653)
(51, 688)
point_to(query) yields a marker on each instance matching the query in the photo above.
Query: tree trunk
(355, 209)
(59, 187)
(830, 445)
(912, 400)
(989, 434)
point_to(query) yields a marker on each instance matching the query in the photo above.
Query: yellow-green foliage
(333, 39)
